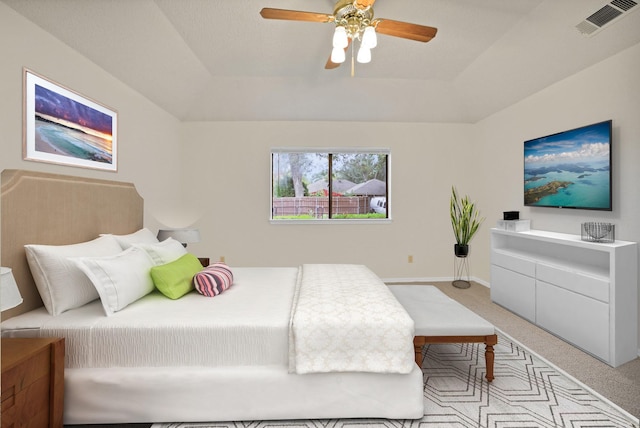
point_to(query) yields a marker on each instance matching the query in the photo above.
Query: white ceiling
(218, 60)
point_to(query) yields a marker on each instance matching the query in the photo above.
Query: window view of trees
(302, 190)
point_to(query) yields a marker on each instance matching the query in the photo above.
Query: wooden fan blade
(420, 33)
(330, 65)
(295, 15)
(363, 4)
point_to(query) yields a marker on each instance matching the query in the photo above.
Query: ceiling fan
(354, 21)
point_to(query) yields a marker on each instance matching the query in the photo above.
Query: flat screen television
(570, 169)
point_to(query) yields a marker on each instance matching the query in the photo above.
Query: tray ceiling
(210, 60)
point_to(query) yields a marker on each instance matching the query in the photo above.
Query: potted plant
(465, 220)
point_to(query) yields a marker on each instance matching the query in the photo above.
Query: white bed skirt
(193, 394)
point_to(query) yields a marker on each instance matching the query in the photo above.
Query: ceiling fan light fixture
(369, 38)
(364, 55)
(340, 39)
(338, 55)
(354, 21)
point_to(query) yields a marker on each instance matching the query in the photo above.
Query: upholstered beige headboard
(41, 208)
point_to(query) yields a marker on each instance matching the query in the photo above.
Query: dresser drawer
(31, 404)
(512, 262)
(578, 319)
(21, 377)
(590, 286)
(32, 382)
(514, 291)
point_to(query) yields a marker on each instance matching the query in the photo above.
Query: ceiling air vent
(605, 15)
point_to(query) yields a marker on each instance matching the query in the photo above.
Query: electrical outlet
(222, 259)
(410, 259)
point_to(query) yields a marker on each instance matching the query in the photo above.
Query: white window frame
(333, 150)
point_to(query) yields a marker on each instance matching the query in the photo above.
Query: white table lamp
(184, 236)
(9, 294)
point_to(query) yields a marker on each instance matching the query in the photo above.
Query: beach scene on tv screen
(570, 169)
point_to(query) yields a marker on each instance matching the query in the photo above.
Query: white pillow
(121, 279)
(165, 251)
(142, 236)
(62, 286)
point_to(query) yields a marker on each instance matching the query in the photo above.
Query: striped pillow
(213, 279)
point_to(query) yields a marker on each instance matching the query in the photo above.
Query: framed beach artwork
(66, 128)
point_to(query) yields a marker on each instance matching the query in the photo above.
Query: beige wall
(228, 175)
(147, 136)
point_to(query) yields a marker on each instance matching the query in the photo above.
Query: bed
(241, 355)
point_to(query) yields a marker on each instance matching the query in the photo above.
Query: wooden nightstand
(32, 382)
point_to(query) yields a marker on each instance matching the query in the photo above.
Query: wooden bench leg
(489, 356)
(418, 343)
(489, 341)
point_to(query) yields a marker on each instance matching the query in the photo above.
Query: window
(301, 188)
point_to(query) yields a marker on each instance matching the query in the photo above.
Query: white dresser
(584, 292)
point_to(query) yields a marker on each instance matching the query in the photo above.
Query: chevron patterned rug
(527, 392)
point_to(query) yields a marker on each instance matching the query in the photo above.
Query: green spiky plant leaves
(465, 218)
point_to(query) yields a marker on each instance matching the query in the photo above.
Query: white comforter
(345, 319)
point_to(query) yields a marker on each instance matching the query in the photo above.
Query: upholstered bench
(440, 319)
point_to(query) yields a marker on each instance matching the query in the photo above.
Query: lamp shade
(340, 38)
(184, 236)
(9, 294)
(364, 55)
(369, 38)
(338, 55)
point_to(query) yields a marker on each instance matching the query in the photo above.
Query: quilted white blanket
(345, 319)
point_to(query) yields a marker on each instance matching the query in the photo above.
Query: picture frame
(64, 127)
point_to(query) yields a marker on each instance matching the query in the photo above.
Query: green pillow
(175, 279)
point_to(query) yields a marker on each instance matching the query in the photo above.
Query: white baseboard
(430, 279)
(410, 280)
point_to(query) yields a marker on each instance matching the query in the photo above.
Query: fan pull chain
(353, 64)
